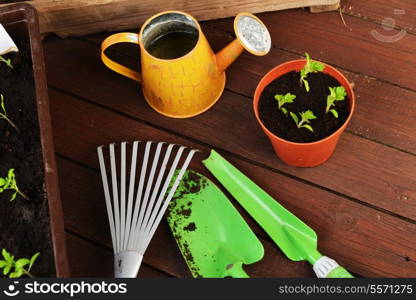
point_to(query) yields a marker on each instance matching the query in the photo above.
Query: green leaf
(32, 260)
(335, 94)
(284, 110)
(10, 174)
(2, 103)
(310, 67)
(308, 127)
(317, 66)
(307, 115)
(19, 264)
(294, 117)
(302, 74)
(308, 57)
(3, 263)
(334, 112)
(283, 99)
(8, 62)
(16, 274)
(340, 93)
(13, 196)
(306, 83)
(2, 181)
(278, 97)
(290, 97)
(6, 269)
(7, 257)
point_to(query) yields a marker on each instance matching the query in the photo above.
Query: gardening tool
(297, 240)
(181, 76)
(134, 222)
(6, 43)
(212, 236)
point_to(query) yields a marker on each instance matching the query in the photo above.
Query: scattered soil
(24, 224)
(283, 125)
(190, 227)
(186, 212)
(179, 212)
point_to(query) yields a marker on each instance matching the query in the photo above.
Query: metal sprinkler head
(252, 34)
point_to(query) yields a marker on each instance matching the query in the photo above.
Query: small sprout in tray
(16, 268)
(3, 115)
(9, 183)
(8, 62)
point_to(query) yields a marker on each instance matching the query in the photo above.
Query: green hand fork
(297, 240)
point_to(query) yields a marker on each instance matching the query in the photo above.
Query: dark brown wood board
(401, 11)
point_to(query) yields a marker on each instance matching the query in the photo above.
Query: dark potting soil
(24, 224)
(283, 125)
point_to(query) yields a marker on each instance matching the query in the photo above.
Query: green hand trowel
(212, 236)
(297, 240)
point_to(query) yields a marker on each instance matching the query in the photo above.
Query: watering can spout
(252, 35)
(228, 55)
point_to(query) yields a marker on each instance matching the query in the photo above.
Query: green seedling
(336, 94)
(311, 66)
(283, 99)
(3, 115)
(8, 62)
(16, 268)
(306, 117)
(9, 183)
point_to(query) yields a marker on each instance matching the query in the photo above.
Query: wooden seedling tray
(40, 226)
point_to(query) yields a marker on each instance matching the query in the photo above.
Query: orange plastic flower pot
(303, 154)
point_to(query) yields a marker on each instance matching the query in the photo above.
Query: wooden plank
(401, 11)
(325, 8)
(388, 174)
(89, 260)
(80, 17)
(348, 231)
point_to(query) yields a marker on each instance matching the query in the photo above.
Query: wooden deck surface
(361, 203)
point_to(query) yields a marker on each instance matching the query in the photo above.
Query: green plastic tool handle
(237, 271)
(339, 272)
(296, 239)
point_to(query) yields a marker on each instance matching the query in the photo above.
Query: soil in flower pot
(24, 223)
(315, 100)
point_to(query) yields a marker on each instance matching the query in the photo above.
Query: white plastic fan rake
(6, 43)
(134, 215)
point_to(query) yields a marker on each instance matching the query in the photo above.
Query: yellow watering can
(181, 76)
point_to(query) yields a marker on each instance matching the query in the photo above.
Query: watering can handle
(124, 37)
